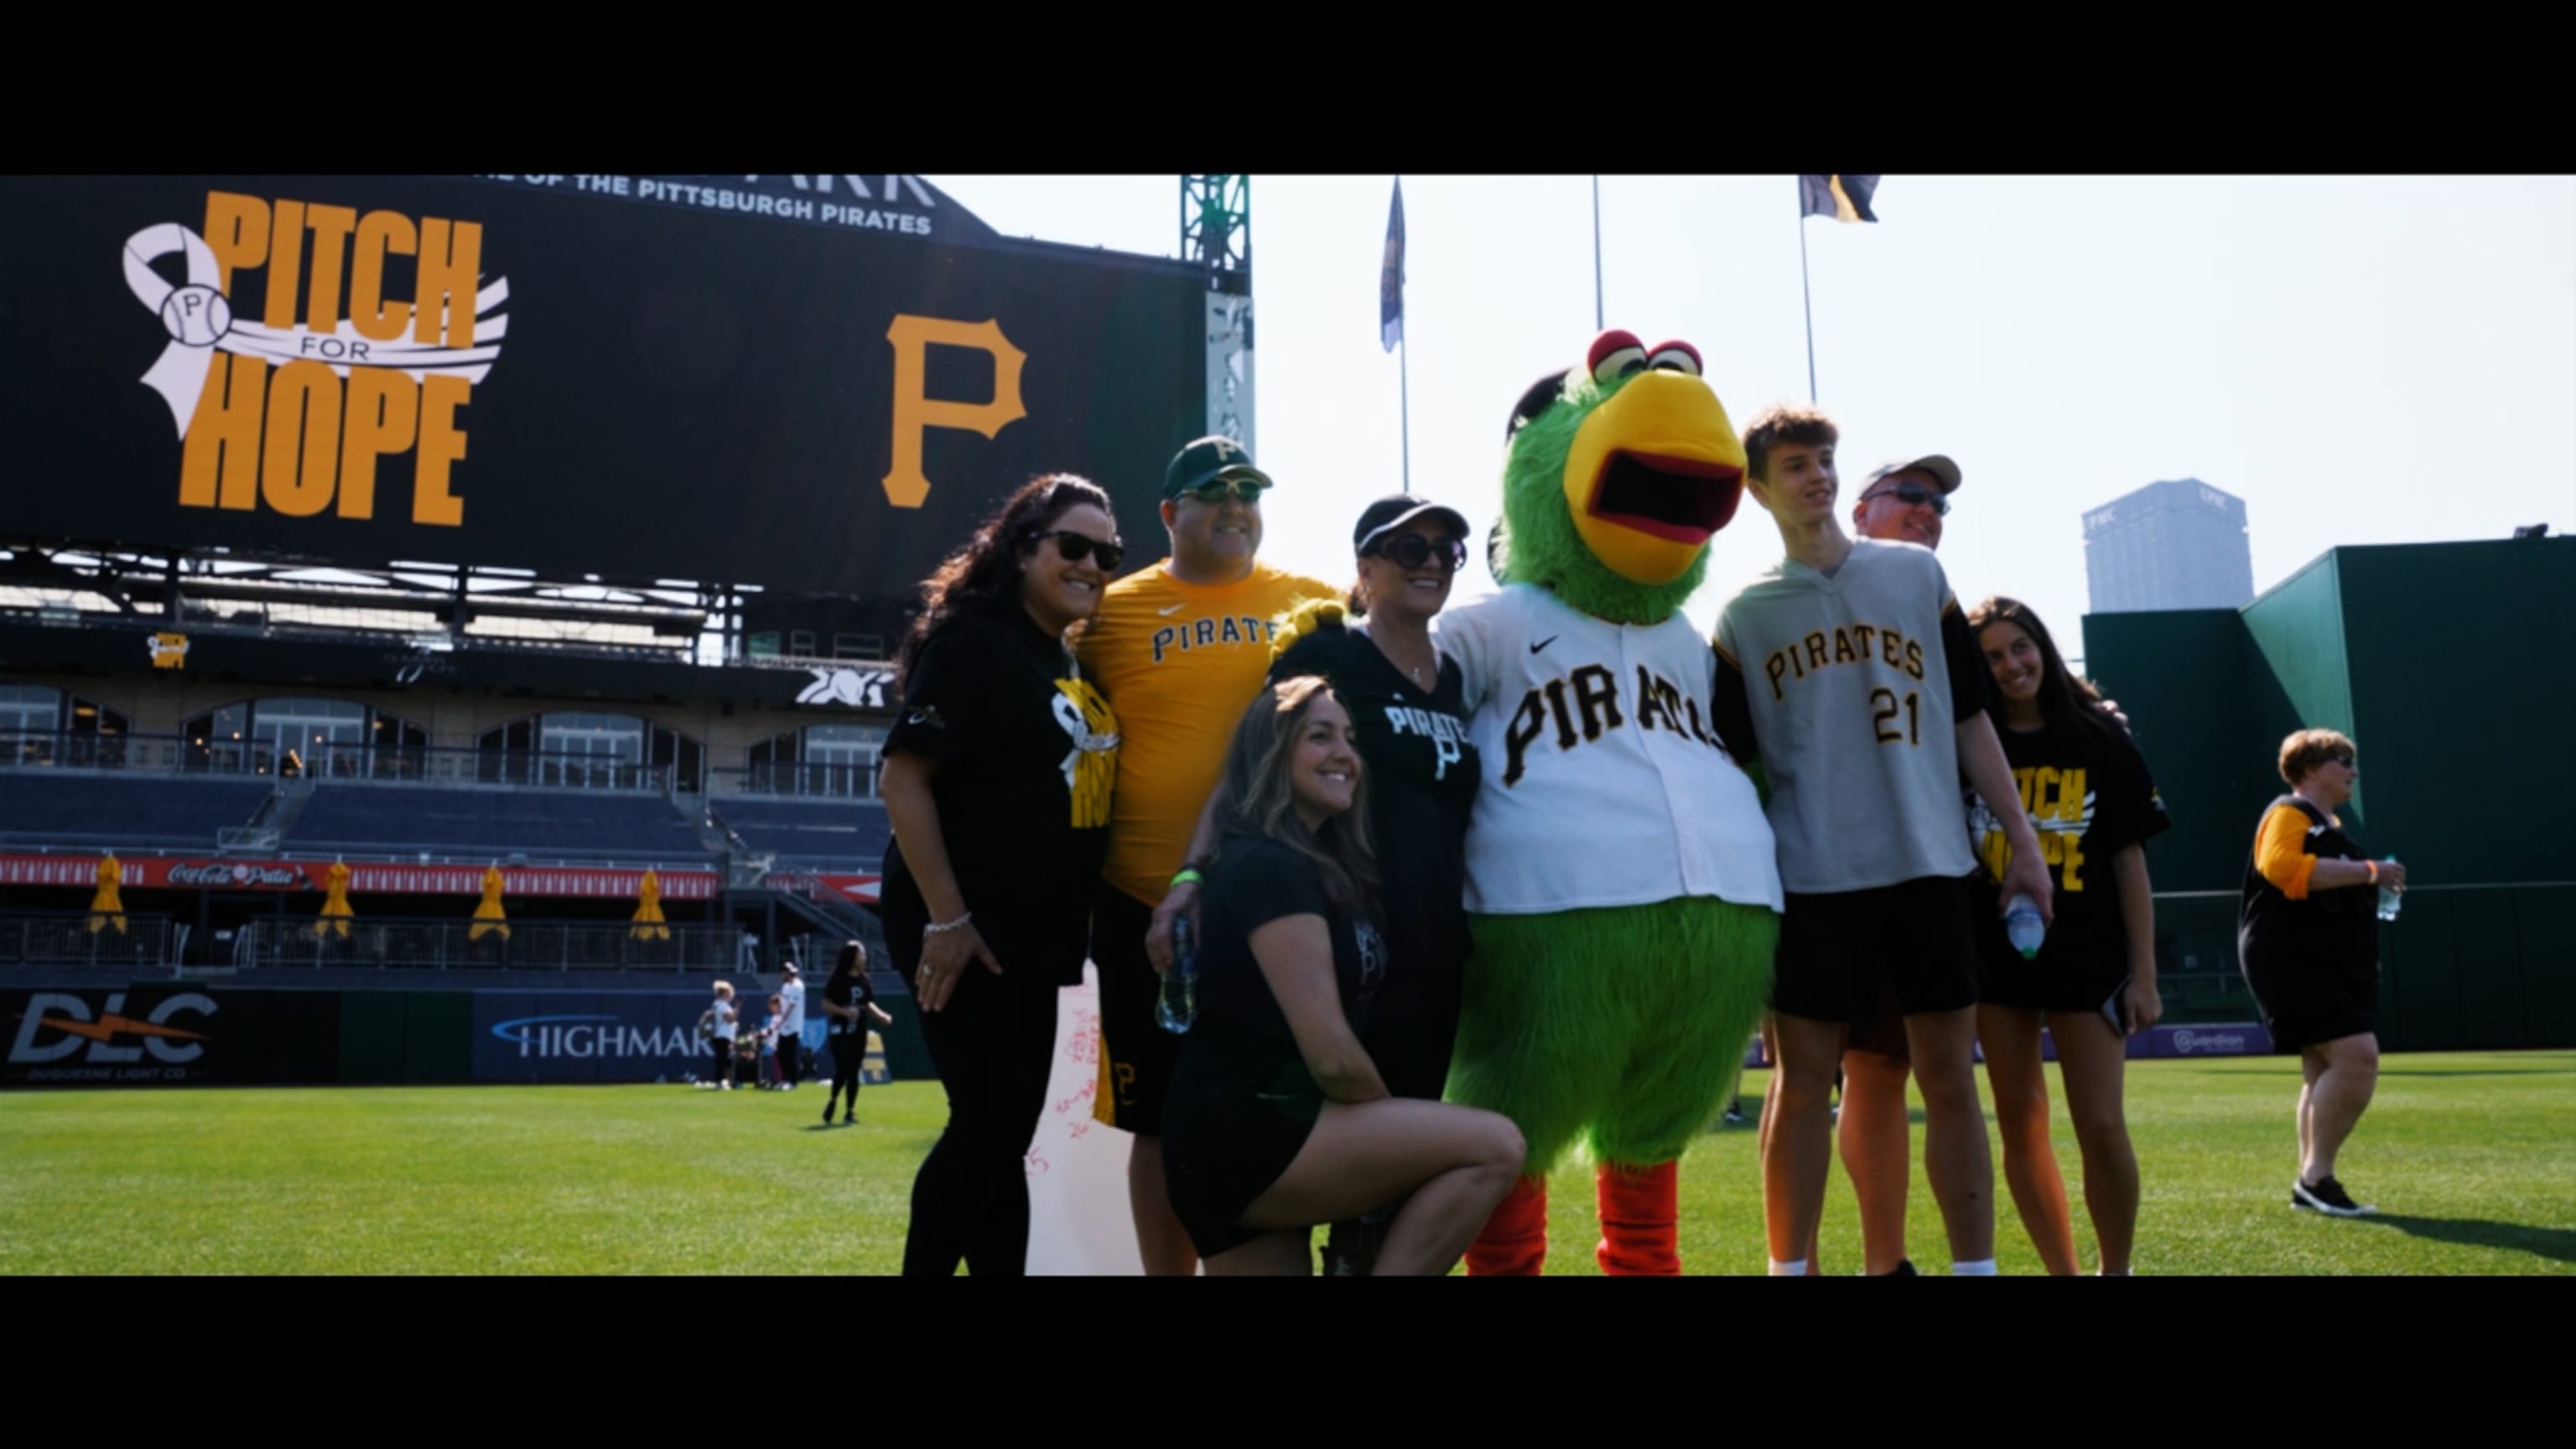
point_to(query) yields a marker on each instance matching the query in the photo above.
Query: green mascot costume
(1619, 867)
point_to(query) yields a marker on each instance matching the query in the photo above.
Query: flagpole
(1806, 301)
(1404, 385)
(1596, 255)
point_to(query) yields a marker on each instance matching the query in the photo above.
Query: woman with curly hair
(997, 779)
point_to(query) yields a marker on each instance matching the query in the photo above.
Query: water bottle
(1179, 1004)
(2023, 925)
(2389, 896)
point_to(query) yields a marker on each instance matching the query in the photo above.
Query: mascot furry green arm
(1619, 866)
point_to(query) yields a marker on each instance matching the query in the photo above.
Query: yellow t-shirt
(1179, 662)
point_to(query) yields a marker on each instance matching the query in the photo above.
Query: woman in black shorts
(2308, 936)
(1279, 1118)
(2087, 792)
(1408, 720)
(997, 777)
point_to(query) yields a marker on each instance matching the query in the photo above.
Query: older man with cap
(1180, 647)
(1900, 502)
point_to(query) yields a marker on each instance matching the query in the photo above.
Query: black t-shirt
(1028, 757)
(851, 990)
(1256, 881)
(2088, 795)
(2338, 927)
(1422, 774)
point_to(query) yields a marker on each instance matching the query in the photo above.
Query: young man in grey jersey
(1849, 669)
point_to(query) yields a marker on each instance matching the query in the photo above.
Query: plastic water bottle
(2023, 925)
(1179, 1005)
(2390, 898)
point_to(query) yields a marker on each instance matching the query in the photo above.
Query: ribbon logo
(200, 321)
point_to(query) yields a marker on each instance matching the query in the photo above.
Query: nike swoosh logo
(1171, 609)
(1543, 643)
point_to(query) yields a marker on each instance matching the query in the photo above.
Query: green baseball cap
(1207, 459)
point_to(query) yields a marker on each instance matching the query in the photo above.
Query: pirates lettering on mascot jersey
(1591, 695)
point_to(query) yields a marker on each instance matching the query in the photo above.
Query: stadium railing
(452, 945)
(818, 781)
(65, 939)
(456, 764)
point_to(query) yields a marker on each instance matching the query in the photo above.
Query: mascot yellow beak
(1653, 472)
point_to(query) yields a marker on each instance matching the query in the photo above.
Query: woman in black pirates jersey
(2308, 936)
(1409, 722)
(997, 778)
(2087, 792)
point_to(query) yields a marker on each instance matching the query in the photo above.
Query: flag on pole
(1390, 284)
(1844, 198)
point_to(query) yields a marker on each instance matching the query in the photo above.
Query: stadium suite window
(836, 761)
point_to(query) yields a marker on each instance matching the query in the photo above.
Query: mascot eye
(1625, 362)
(1675, 357)
(1614, 355)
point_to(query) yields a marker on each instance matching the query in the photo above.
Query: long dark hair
(1254, 797)
(2063, 698)
(985, 574)
(848, 981)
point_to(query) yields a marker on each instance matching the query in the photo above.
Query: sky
(2362, 360)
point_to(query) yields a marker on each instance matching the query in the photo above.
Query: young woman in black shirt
(1279, 1117)
(2087, 792)
(1410, 726)
(1409, 720)
(849, 1000)
(997, 778)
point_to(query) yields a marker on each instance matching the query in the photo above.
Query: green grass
(2471, 1157)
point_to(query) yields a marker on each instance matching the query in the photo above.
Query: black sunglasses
(1412, 551)
(1215, 491)
(1914, 495)
(1075, 547)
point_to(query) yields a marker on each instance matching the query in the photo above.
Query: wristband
(1189, 875)
(2373, 867)
(942, 927)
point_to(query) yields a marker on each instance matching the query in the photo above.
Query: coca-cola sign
(241, 875)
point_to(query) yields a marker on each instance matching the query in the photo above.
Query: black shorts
(1840, 952)
(2307, 1000)
(1136, 1054)
(2067, 975)
(1231, 1131)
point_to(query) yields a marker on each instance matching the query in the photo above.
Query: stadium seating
(816, 834)
(175, 812)
(540, 824)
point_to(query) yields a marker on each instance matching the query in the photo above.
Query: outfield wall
(192, 1034)
(2433, 658)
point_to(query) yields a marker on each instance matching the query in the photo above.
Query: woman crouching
(1279, 1119)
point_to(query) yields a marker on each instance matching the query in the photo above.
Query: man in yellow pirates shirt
(1180, 647)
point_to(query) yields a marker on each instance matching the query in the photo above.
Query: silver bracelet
(941, 927)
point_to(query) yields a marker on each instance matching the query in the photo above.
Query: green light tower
(1216, 232)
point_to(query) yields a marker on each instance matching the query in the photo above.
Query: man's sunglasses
(1216, 490)
(1412, 551)
(1915, 495)
(1075, 547)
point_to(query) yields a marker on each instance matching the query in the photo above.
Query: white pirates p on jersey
(1605, 782)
